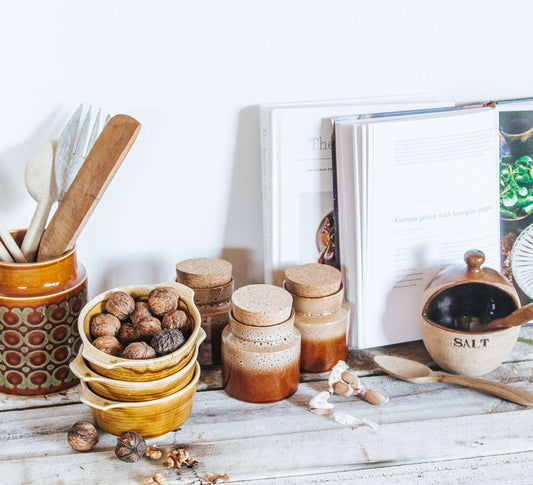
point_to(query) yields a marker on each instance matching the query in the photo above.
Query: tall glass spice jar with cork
(261, 346)
(212, 282)
(321, 315)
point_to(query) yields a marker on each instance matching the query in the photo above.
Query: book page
(297, 176)
(432, 195)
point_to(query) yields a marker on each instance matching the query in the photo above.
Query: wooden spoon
(417, 373)
(518, 317)
(11, 246)
(97, 171)
(41, 186)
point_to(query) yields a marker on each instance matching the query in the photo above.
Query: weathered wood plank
(516, 469)
(336, 450)
(216, 416)
(360, 360)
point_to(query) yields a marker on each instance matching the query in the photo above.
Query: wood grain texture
(428, 434)
(99, 168)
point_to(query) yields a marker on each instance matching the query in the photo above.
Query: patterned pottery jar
(39, 306)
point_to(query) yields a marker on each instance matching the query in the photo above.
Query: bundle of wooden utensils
(74, 173)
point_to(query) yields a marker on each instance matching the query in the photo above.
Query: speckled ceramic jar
(321, 315)
(39, 306)
(261, 346)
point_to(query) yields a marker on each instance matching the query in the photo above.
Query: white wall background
(193, 74)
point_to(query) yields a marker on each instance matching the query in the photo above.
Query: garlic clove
(351, 379)
(320, 405)
(340, 387)
(336, 374)
(374, 397)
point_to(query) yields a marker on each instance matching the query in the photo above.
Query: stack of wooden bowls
(148, 396)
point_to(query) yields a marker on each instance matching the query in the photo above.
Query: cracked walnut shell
(130, 446)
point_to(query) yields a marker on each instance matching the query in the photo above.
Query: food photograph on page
(516, 199)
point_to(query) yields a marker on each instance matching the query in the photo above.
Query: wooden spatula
(101, 164)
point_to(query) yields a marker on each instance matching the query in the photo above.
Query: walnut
(162, 300)
(130, 446)
(147, 328)
(178, 456)
(167, 341)
(127, 333)
(82, 436)
(157, 479)
(153, 452)
(138, 350)
(141, 311)
(104, 324)
(108, 344)
(120, 304)
(177, 319)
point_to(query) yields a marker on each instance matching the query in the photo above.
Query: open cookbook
(414, 191)
(391, 190)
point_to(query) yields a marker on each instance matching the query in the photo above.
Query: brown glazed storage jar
(321, 315)
(212, 282)
(261, 346)
(39, 305)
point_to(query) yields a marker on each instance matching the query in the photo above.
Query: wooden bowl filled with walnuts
(140, 332)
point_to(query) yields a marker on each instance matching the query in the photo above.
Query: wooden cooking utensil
(101, 164)
(518, 317)
(417, 373)
(41, 186)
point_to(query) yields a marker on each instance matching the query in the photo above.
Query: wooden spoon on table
(417, 373)
(41, 186)
(80, 200)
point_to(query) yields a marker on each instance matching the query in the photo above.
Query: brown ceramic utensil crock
(455, 305)
(39, 307)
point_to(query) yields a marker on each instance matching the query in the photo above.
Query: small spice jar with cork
(212, 282)
(261, 346)
(321, 315)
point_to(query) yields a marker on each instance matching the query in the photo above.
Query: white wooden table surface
(436, 433)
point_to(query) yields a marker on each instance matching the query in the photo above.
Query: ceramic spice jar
(212, 282)
(39, 307)
(261, 346)
(456, 305)
(321, 315)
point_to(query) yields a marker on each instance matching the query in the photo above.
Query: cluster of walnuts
(138, 329)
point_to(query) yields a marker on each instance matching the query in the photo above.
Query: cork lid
(261, 305)
(204, 272)
(312, 280)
